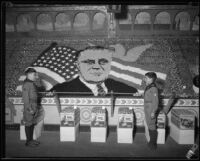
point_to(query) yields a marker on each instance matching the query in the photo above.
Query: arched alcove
(63, 22)
(182, 21)
(99, 21)
(162, 21)
(142, 21)
(24, 23)
(44, 22)
(81, 22)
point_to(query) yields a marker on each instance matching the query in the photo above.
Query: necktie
(101, 91)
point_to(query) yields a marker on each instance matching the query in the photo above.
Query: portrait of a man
(94, 64)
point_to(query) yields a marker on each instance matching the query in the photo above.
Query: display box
(182, 126)
(161, 126)
(161, 136)
(69, 123)
(22, 132)
(68, 133)
(183, 119)
(161, 121)
(125, 125)
(182, 136)
(98, 125)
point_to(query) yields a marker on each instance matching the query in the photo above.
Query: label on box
(184, 122)
(187, 123)
(125, 121)
(98, 120)
(69, 116)
(161, 121)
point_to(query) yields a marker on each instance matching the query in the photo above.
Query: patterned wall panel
(86, 104)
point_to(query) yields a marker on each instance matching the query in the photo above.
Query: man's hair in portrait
(93, 48)
(151, 75)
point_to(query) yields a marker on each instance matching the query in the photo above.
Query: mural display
(130, 61)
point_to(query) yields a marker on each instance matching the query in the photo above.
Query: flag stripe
(51, 74)
(137, 70)
(128, 82)
(130, 73)
(126, 78)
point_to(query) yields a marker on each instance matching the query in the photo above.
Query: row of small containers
(181, 128)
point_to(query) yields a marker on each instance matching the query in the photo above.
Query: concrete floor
(52, 147)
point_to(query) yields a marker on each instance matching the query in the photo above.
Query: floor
(52, 147)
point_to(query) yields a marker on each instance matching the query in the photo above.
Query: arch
(162, 21)
(99, 21)
(195, 25)
(24, 23)
(81, 22)
(143, 18)
(182, 21)
(162, 18)
(44, 22)
(62, 22)
(142, 21)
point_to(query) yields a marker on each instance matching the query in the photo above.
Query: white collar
(93, 87)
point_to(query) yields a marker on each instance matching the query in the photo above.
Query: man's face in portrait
(94, 65)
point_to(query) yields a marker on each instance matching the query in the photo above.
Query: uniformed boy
(30, 99)
(151, 102)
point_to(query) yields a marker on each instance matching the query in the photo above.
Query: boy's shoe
(35, 142)
(31, 144)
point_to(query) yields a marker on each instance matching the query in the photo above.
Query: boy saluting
(30, 98)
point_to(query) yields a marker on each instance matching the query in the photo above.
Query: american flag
(57, 65)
